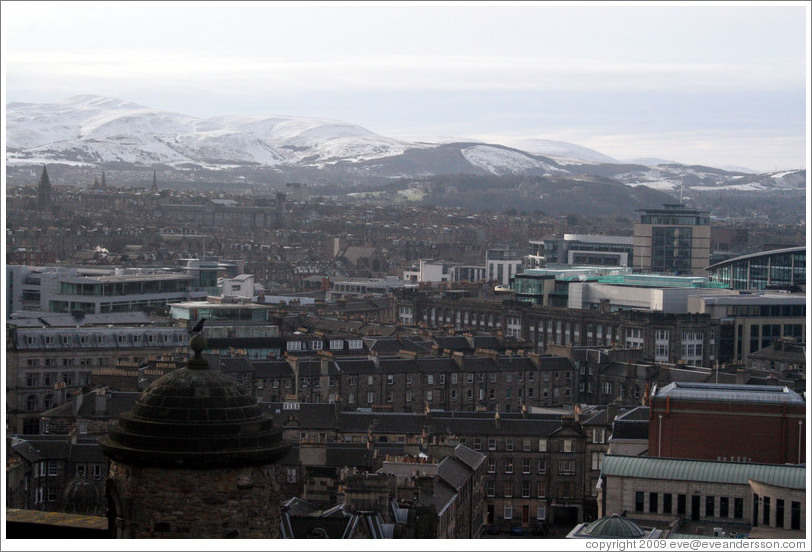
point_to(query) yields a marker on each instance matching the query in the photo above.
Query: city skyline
(723, 86)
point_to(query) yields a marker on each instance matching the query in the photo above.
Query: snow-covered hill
(96, 131)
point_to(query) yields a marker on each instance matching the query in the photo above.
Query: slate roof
(353, 366)
(454, 472)
(469, 456)
(272, 369)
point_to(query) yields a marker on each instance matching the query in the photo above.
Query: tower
(674, 239)
(154, 182)
(194, 458)
(44, 191)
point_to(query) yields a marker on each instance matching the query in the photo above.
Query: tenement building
(686, 338)
(46, 366)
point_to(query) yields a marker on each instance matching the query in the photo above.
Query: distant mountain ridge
(95, 131)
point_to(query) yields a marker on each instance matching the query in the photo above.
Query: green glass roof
(708, 471)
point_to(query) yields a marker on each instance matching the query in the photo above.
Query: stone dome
(195, 417)
(614, 526)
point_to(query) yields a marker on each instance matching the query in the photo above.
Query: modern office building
(674, 239)
(749, 322)
(582, 249)
(776, 268)
(95, 290)
(502, 264)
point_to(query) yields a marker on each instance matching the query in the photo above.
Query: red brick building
(735, 423)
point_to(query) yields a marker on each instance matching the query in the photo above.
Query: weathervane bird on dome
(198, 327)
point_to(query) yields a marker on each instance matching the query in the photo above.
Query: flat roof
(729, 392)
(706, 471)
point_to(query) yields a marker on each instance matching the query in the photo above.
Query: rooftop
(729, 392)
(704, 471)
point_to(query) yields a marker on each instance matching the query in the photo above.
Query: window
(96, 470)
(352, 381)
(454, 379)
(508, 465)
(430, 379)
(390, 379)
(408, 396)
(389, 395)
(508, 489)
(680, 504)
(470, 377)
(351, 398)
(667, 503)
(53, 468)
(566, 445)
(80, 470)
(509, 443)
(795, 515)
(652, 502)
(409, 379)
(491, 487)
(779, 513)
(477, 443)
(370, 397)
(597, 460)
(541, 489)
(566, 467)
(542, 467)
(599, 435)
(525, 489)
(292, 475)
(442, 379)
(453, 394)
(429, 395)
(542, 445)
(491, 465)
(765, 510)
(491, 443)
(492, 377)
(370, 380)
(32, 380)
(607, 388)
(52, 494)
(526, 465)
(508, 510)
(710, 506)
(638, 501)
(724, 507)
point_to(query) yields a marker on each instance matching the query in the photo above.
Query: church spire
(154, 181)
(104, 181)
(44, 191)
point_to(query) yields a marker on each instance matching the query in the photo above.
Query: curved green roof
(614, 526)
(645, 467)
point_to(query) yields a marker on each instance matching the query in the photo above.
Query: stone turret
(194, 458)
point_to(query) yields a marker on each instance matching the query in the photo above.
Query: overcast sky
(721, 85)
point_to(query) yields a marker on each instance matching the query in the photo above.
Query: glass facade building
(776, 268)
